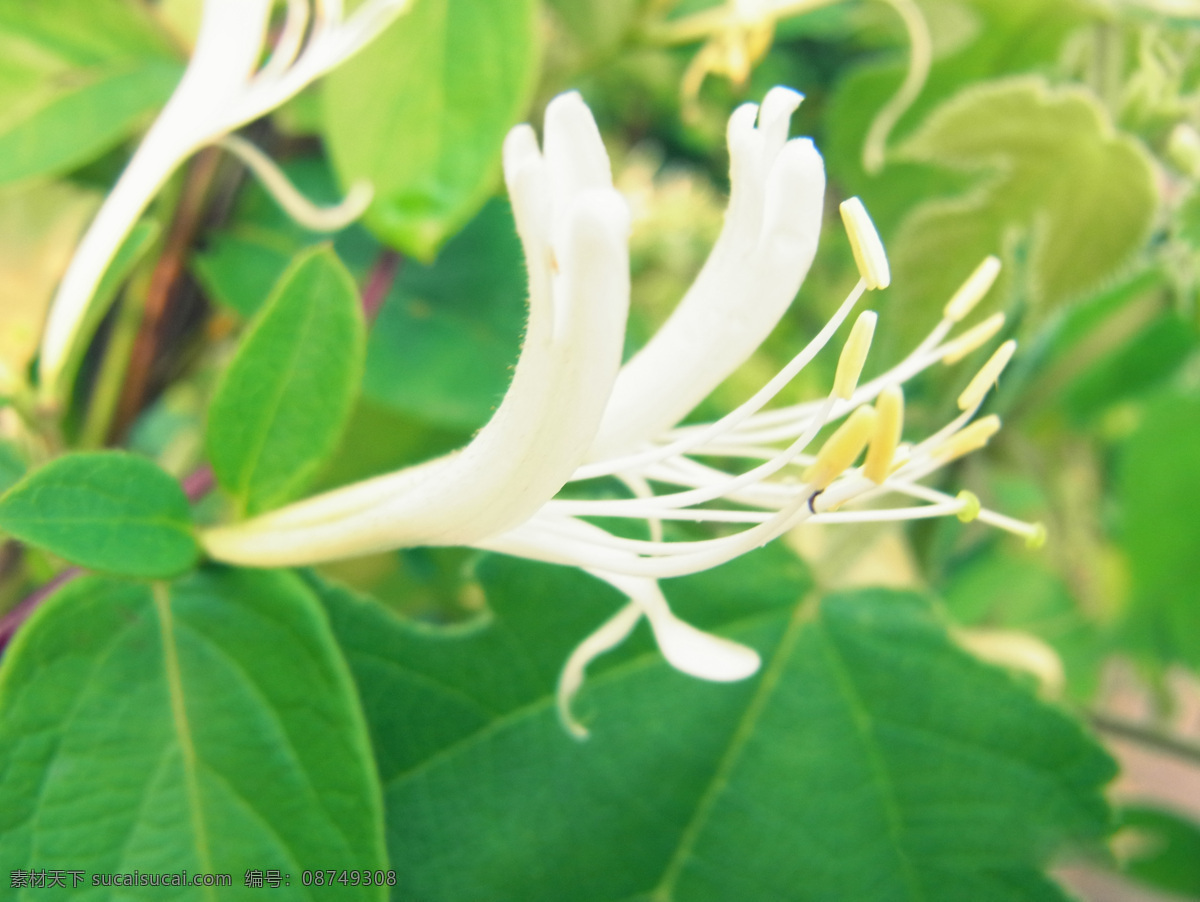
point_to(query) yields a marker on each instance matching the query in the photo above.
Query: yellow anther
(972, 438)
(854, 355)
(842, 449)
(971, 292)
(868, 250)
(1036, 537)
(889, 423)
(972, 340)
(970, 506)
(974, 393)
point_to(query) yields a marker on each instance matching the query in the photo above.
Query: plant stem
(170, 266)
(106, 393)
(1147, 736)
(12, 620)
(379, 283)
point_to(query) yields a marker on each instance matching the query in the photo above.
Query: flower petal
(577, 242)
(754, 270)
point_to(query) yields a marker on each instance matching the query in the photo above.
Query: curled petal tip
(520, 148)
(702, 654)
(574, 150)
(778, 105)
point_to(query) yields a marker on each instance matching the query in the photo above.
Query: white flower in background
(223, 88)
(573, 413)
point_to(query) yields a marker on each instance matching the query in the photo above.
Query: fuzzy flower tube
(574, 413)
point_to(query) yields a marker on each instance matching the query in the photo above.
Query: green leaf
(422, 113)
(1186, 224)
(238, 270)
(76, 77)
(40, 225)
(1058, 183)
(108, 511)
(12, 465)
(1158, 486)
(280, 408)
(445, 341)
(1164, 849)
(209, 726)
(973, 41)
(1142, 362)
(1002, 588)
(872, 759)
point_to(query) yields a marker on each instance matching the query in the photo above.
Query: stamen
(842, 448)
(612, 633)
(886, 438)
(1036, 537)
(970, 506)
(696, 437)
(973, 290)
(295, 204)
(972, 438)
(291, 38)
(868, 249)
(854, 355)
(987, 376)
(972, 340)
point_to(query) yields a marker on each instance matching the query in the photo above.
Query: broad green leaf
(595, 27)
(1142, 362)
(238, 270)
(76, 76)
(109, 511)
(1158, 488)
(445, 341)
(1164, 849)
(973, 40)
(39, 228)
(208, 726)
(1186, 224)
(378, 440)
(422, 112)
(872, 759)
(12, 465)
(280, 407)
(1055, 180)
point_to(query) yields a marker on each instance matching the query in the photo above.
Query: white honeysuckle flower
(573, 414)
(224, 86)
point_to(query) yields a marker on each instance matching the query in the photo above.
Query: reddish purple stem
(198, 483)
(379, 283)
(13, 619)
